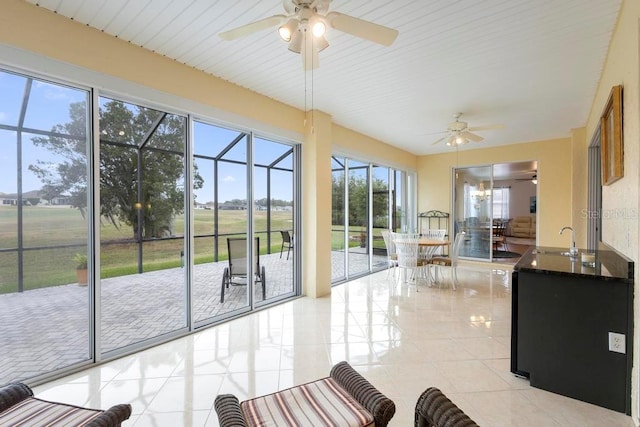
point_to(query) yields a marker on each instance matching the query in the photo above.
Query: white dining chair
(392, 256)
(435, 234)
(449, 262)
(409, 261)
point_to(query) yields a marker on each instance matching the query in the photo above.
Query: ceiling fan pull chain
(313, 129)
(305, 85)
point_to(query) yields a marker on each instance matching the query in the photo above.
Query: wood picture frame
(611, 143)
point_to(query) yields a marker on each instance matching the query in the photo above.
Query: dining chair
(409, 261)
(450, 262)
(392, 256)
(286, 242)
(498, 236)
(436, 234)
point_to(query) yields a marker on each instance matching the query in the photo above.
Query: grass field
(58, 226)
(66, 229)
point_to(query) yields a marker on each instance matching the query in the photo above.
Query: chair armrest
(228, 409)
(112, 417)
(381, 407)
(12, 394)
(435, 409)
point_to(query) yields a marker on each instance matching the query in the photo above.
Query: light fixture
(295, 45)
(460, 140)
(481, 194)
(287, 30)
(318, 27)
(534, 180)
(320, 43)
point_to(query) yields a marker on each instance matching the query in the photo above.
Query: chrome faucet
(573, 251)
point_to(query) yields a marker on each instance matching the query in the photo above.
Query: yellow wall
(620, 200)
(36, 30)
(554, 206)
(316, 206)
(348, 142)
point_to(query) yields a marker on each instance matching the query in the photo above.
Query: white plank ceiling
(530, 65)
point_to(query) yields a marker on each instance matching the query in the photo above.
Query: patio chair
(286, 242)
(237, 269)
(434, 409)
(344, 398)
(18, 406)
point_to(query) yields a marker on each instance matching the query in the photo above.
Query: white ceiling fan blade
(476, 128)
(471, 136)
(440, 140)
(253, 27)
(361, 28)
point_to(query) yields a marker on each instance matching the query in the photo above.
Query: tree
(358, 199)
(141, 165)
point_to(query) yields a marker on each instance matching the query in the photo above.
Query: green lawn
(52, 226)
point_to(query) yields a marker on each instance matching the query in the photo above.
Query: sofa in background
(523, 226)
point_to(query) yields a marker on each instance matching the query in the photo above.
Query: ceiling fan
(533, 179)
(459, 132)
(305, 24)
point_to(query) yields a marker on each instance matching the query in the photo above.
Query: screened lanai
(148, 208)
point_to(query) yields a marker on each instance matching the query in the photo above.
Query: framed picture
(611, 138)
(532, 204)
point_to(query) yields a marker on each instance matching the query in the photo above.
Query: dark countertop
(609, 265)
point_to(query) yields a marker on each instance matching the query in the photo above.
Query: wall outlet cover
(617, 342)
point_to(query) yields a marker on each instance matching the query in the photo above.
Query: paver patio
(47, 329)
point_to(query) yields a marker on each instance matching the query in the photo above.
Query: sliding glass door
(366, 199)
(142, 223)
(45, 295)
(116, 233)
(473, 210)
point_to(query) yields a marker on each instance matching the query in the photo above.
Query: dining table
(430, 246)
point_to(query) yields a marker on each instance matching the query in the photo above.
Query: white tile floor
(403, 341)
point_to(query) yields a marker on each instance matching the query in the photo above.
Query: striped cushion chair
(19, 407)
(434, 409)
(344, 398)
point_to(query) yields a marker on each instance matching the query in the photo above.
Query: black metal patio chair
(286, 242)
(237, 269)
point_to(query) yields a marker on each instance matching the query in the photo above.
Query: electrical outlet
(617, 342)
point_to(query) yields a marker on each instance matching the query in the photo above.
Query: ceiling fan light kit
(313, 16)
(459, 133)
(287, 30)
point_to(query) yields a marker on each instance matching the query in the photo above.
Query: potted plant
(81, 268)
(363, 238)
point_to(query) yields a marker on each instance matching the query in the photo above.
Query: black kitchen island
(562, 315)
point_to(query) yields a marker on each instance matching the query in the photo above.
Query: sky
(48, 105)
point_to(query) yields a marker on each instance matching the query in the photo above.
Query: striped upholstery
(36, 412)
(319, 403)
(434, 409)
